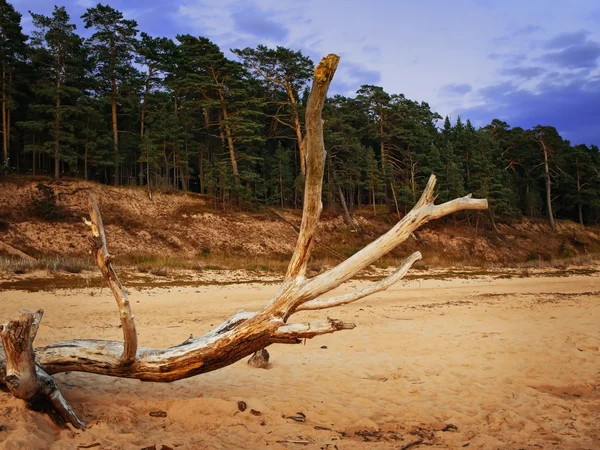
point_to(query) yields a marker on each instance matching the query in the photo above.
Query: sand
(503, 363)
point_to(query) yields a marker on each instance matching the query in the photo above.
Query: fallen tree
(27, 371)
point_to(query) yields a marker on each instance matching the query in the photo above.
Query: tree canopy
(126, 108)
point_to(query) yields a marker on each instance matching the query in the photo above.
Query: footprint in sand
(587, 343)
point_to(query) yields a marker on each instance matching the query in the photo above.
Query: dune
(479, 362)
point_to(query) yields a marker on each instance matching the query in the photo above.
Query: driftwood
(27, 372)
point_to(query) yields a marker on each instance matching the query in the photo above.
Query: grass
(257, 268)
(578, 260)
(149, 263)
(70, 264)
(166, 265)
(154, 264)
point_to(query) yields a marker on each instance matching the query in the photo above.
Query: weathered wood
(315, 164)
(28, 373)
(24, 379)
(49, 388)
(422, 213)
(37, 319)
(104, 261)
(369, 290)
(20, 377)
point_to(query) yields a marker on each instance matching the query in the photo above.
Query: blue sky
(526, 62)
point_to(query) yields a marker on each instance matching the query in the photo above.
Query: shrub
(44, 203)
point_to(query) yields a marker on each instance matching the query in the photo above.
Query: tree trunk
(297, 128)
(229, 137)
(468, 169)
(115, 129)
(413, 182)
(33, 154)
(8, 122)
(175, 165)
(281, 184)
(382, 144)
(395, 199)
(579, 206)
(85, 156)
(347, 216)
(143, 118)
(5, 158)
(167, 180)
(548, 187)
(57, 129)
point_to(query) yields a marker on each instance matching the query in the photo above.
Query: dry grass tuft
(52, 264)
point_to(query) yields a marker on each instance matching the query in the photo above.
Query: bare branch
(277, 119)
(362, 293)
(315, 161)
(50, 389)
(293, 333)
(104, 261)
(423, 212)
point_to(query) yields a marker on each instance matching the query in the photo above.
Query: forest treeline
(125, 108)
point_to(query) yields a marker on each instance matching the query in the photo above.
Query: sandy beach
(481, 363)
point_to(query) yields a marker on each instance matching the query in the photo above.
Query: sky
(525, 62)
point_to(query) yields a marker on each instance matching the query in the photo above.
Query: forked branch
(27, 372)
(382, 285)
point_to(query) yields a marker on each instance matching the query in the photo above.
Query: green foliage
(44, 203)
(188, 117)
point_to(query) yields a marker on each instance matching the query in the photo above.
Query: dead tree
(27, 372)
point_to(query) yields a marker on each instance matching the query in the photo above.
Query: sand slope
(510, 363)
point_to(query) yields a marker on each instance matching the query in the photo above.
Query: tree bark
(548, 186)
(143, 118)
(347, 216)
(232, 156)
(115, 131)
(8, 128)
(113, 105)
(579, 206)
(382, 144)
(85, 155)
(297, 128)
(57, 129)
(5, 158)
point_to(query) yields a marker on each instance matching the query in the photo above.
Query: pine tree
(57, 55)
(112, 46)
(223, 87)
(12, 54)
(155, 55)
(285, 73)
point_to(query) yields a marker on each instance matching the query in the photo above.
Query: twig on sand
(410, 444)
